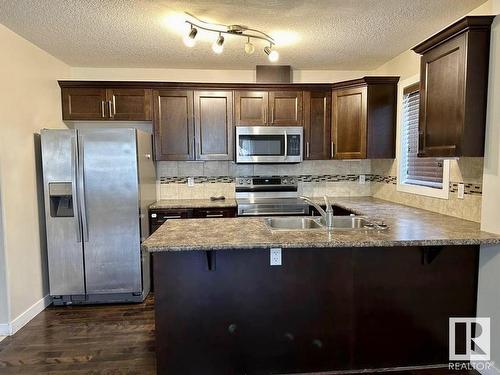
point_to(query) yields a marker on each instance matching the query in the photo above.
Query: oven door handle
(270, 213)
(286, 144)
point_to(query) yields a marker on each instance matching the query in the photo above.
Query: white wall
(30, 99)
(199, 75)
(489, 265)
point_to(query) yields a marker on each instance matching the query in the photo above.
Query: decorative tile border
(470, 189)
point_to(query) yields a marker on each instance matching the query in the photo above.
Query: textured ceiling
(312, 34)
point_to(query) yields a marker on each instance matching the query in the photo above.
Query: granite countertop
(408, 226)
(192, 203)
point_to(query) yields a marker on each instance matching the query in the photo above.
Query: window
(418, 175)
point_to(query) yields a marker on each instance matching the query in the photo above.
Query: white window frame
(442, 193)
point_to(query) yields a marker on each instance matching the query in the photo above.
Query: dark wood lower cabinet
(323, 309)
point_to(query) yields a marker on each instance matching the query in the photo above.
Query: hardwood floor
(113, 339)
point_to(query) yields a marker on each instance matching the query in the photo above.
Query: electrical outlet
(190, 181)
(275, 254)
(461, 188)
(362, 179)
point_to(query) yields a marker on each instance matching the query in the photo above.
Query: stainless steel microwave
(269, 144)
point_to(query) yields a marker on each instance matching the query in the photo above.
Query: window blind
(417, 171)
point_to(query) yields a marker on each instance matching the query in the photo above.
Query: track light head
(189, 39)
(272, 54)
(249, 47)
(218, 46)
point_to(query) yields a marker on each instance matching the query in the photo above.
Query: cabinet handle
(308, 154)
(114, 106)
(332, 149)
(266, 120)
(110, 108)
(272, 116)
(102, 109)
(214, 215)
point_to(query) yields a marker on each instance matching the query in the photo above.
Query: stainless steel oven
(269, 144)
(269, 196)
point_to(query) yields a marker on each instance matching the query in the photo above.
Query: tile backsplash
(324, 177)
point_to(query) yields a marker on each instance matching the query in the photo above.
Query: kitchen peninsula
(340, 300)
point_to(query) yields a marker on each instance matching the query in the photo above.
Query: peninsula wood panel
(317, 124)
(285, 108)
(173, 125)
(84, 103)
(250, 108)
(351, 308)
(349, 123)
(130, 104)
(213, 113)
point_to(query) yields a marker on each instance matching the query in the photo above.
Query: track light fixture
(271, 53)
(218, 47)
(189, 39)
(236, 30)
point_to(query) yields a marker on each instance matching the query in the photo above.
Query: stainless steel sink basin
(309, 223)
(351, 222)
(293, 223)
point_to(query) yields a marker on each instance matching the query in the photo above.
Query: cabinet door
(285, 108)
(250, 107)
(213, 118)
(349, 123)
(129, 104)
(442, 99)
(84, 104)
(173, 124)
(317, 109)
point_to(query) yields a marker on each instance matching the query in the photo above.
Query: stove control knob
(241, 181)
(248, 181)
(292, 181)
(284, 181)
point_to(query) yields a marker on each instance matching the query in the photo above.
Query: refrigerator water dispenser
(61, 199)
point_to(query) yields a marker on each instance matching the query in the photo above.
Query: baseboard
(4, 329)
(491, 371)
(25, 317)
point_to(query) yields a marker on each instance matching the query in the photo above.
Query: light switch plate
(190, 181)
(461, 188)
(275, 254)
(362, 179)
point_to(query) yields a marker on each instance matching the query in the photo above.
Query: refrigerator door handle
(81, 190)
(74, 189)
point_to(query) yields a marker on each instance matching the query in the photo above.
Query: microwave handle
(286, 145)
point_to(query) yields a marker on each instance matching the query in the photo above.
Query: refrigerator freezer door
(110, 215)
(64, 246)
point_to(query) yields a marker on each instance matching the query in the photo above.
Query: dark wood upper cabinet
(84, 104)
(453, 89)
(250, 108)
(173, 124)
(91, 103)
(349, 123)
(261, 108)
(285, 108)
(213, 118)
(364, 118)
(129, 104)
(317, 123)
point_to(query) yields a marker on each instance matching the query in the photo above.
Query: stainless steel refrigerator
(98, 184)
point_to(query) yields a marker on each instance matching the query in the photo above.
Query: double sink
(312, 223)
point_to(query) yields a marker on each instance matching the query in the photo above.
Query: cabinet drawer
(158, 217)
(214, 212)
